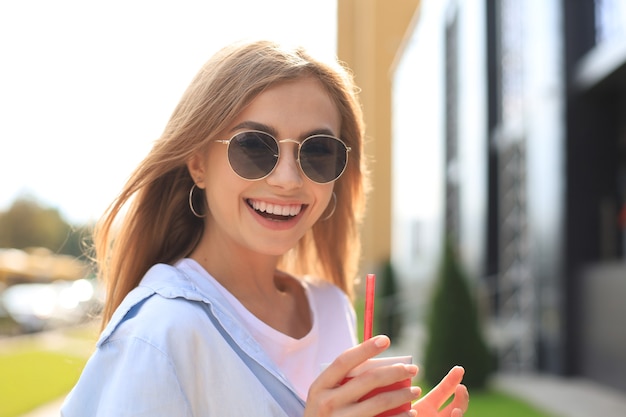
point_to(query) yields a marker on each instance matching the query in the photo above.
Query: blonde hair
(159, 227)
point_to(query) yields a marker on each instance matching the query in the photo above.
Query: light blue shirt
(161, 355)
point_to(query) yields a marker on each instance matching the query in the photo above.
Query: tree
(388, 311)
(29, 224)
(454, 334)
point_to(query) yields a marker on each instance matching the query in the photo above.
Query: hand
(450, 385)
(329, 397)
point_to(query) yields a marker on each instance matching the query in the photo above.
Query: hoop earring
(334, 208)
(195, 213)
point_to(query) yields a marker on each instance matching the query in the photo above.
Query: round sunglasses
(253, 155)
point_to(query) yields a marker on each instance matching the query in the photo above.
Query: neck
(274, 297)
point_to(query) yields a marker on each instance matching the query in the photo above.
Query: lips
(275, 211)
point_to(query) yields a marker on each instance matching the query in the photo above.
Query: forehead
(293, 108)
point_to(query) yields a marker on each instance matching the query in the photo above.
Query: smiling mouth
(275, 211)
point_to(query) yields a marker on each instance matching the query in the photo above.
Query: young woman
(230, 254)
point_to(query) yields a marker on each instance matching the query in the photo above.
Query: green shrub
(454, 335)
(388, 309)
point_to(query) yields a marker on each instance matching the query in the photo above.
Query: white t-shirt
(333, 330)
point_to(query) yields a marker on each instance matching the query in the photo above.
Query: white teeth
(277, 209)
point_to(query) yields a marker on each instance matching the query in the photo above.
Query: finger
(335, 373)
(461, 398)
(386, 402)
(446, 387)
(391, 377)
(410, 413)
(384, 388)
(456, 413)
(460, 402)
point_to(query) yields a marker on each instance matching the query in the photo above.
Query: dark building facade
(529, 103)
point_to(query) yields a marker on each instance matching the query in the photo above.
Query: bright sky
(86, 86)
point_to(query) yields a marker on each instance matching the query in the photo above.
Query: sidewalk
(564, 397)
(49, 410)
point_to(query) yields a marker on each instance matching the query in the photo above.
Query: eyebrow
(248, 124)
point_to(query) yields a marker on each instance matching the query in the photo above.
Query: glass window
(610, 20)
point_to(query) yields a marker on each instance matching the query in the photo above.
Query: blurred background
(496, 125)
(509, 137)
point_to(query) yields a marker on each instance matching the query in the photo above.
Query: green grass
(33, 377)
(496, 404)
(42, 368)
(493, 403)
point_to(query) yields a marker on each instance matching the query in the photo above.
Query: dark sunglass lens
(253, 155)
(323, 158)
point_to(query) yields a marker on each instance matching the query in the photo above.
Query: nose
(287, 173)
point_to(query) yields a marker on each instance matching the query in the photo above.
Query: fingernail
(416, 391)
(411, 369)
(381, 341)
(412, 413)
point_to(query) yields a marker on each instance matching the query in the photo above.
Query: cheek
(217, 166)
(223, 200)
(220, 180)
(327, 202)
(217, 156)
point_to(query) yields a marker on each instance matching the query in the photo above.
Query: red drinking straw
(370, 285)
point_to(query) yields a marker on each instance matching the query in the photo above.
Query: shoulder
(166, 300)
(138, 367)
(157, 319)
(162, 353)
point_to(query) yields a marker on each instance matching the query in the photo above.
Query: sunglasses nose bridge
(287, 171)
(297, 143)
(296, 151)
